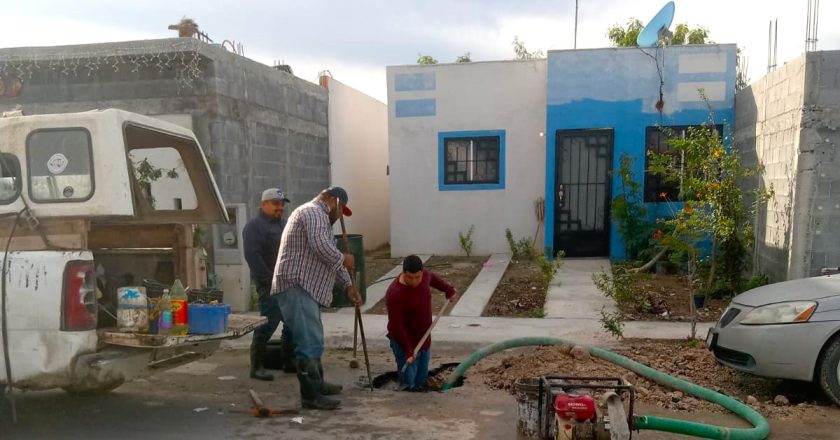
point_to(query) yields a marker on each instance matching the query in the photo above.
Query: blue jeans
(417, 372)
(302, 314)
(271, 310)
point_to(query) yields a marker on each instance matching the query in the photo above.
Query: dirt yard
(378, 262)
(457, 271)
(519, 293)
(680, 359)
(668, 297)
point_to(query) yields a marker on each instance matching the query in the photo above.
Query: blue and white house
(479, 143)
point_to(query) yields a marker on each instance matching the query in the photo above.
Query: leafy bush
(613, 323)
(466, 241)
(617, 285)
(756, 281)
(522, 249)
(548, 268)
(630, 214)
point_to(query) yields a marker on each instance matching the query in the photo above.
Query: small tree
(466, 241)
(709, 175)
(625, 37)
(426, 59)
(683, 34)
(522, 53)
(465, 58)
(629, 212)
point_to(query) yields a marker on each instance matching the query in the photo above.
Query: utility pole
(576, 21)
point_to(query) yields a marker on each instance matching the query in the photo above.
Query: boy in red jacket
(409, 302)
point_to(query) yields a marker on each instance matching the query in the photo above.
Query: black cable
(4, 329)
(4, 322)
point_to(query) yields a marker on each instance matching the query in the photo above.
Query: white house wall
(423, 101)
(358, 133)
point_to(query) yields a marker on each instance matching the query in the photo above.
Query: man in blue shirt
(261, 240)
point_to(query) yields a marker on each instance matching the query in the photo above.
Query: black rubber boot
(327, 389)
(289, 361)
(257, 356)
(310, 387)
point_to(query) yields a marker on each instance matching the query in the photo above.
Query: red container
(575, 407)
(179, 312)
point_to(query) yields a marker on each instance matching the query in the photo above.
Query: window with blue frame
(472, 160)
(657, 141)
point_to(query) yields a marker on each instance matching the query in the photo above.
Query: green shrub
(466, 241)
(548, 268)
(617, 285)
(756, 281)
(613, 323)
(523, 249)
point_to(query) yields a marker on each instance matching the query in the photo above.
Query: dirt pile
(773, 398)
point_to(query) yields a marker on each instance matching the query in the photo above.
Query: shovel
(358, 317)
(425, 336)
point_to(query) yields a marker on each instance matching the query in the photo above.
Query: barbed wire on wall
(182, 56)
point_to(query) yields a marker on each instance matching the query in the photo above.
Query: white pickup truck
(90, 202)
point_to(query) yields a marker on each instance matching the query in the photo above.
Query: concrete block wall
(819, 164)
(768, 114)
(787, 122)
(261, 127)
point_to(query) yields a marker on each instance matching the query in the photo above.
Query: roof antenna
(656, 34)
(811, 25)
(772, 45)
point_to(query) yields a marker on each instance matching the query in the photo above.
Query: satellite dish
(657, 27)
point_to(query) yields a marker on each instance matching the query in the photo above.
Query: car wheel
(92, 389)
(829, 371)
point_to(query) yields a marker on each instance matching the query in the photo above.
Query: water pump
(585, 408)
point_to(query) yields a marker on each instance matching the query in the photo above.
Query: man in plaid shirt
(308, 265)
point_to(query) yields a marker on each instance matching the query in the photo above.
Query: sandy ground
(200, 400)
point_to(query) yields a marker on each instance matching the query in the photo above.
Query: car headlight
(781, 313)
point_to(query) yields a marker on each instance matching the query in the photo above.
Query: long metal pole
(353, 282)
(576, 21)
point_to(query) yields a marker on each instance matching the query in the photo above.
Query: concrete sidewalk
(573, 294)
(475, 298)
(474, 332)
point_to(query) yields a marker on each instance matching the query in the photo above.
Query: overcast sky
(355, 40)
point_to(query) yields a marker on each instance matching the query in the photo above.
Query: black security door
(582, 192)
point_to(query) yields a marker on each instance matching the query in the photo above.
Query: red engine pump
(573, 407)
(576, 418)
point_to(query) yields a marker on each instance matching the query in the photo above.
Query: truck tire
(92, 389)
(829, 371)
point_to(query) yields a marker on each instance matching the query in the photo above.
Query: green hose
(760, 431)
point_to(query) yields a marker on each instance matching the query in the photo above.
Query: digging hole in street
(437, 377)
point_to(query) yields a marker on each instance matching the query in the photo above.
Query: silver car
(788, 330)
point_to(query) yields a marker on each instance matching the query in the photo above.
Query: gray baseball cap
(274, 194)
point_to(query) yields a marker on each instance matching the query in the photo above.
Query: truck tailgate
(238, 325)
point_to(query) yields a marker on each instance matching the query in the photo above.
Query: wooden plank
(238, 325)
(62, 233)
(36, 243)
(131, 236)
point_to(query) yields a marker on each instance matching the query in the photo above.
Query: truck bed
(238, 325)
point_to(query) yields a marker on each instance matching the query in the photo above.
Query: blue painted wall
(618, 88)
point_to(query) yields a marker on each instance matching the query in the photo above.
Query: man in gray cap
(261, 241)
(308, 266)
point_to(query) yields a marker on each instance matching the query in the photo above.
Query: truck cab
(91, 202)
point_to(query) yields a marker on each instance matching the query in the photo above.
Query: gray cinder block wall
(788, 122)
(260, 127)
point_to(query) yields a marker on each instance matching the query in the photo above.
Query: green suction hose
(760, 430)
